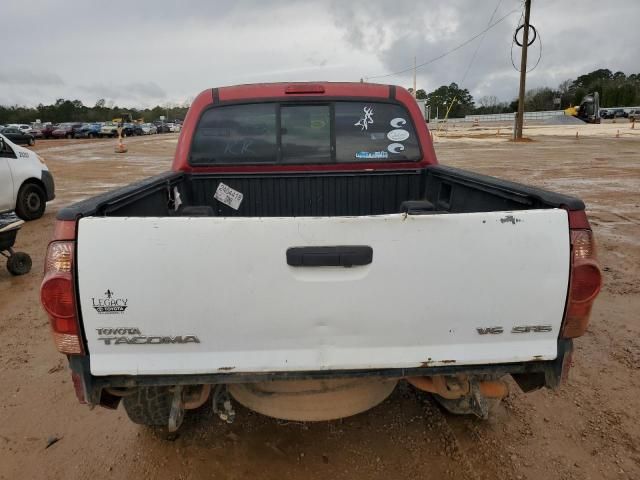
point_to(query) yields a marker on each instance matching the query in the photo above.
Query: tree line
(615, 89)
(64, 110)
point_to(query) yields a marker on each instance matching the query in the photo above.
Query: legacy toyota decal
(109, 303)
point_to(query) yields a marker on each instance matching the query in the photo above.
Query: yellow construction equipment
(589, 109)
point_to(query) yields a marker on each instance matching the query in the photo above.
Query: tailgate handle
(338, 256)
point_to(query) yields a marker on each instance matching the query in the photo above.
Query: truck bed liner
(323, 194)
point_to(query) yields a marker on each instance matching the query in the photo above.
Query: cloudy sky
(141, 53)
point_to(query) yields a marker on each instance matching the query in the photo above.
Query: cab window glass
(374, 132)
(306, 133)
(236, 134)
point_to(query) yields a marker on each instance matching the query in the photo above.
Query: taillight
(584, 283)
(58, 297)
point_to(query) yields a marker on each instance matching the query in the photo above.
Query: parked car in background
(36, 132)
(66, 130)
(634, 115)
(47, 130)
(175, 127)
(88, 130)
(619, 113)
(25, 182)
(606, 114)
(22, 126)
(162, 127)
(108, 129)
(137, 129)
(128, 129)
(148, 129)
(18, 136)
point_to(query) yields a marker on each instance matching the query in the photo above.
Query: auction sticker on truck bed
(228, 196)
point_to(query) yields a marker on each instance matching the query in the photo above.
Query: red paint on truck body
(277, 92)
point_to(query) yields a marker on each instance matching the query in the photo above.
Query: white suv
(634, 114)
(26, 185)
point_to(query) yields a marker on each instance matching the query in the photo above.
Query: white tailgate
(434, 280)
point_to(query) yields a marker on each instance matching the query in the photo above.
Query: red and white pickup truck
(306, 253)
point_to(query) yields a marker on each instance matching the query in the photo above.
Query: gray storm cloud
(26, 77)
(136, 54)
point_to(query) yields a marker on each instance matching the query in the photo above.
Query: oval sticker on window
(395, 148)
(398, 135)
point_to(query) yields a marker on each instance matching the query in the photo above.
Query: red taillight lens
(585, 283)
(58, 297)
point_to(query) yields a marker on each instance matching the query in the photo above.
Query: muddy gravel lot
(588, 429)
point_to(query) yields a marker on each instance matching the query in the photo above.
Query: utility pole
(414, 77)
(523, 70)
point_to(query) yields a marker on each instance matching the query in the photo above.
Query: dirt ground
(586, 430)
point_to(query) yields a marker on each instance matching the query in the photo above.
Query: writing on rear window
(295, 133)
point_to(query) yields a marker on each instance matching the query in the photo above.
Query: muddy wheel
(313, 400)
(31, 201)
(149, 406)
(19, 263)
(32, 142)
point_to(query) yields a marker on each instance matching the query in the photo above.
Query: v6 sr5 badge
(110, 303)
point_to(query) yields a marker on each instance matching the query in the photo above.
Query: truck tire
(149, 406)
(31, 201)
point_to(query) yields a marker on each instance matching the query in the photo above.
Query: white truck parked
(26, 185)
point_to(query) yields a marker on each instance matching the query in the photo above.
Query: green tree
(443, 97)
(539, 99)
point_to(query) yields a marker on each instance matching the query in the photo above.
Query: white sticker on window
(398, 135)
(395, 148)
(228, 196)
(366, 119)
(397, 122)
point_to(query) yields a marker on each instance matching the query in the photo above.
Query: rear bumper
(529, 375)
(49, 185)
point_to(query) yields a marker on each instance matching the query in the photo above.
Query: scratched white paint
(434, 279)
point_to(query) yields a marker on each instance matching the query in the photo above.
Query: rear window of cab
(298, 133)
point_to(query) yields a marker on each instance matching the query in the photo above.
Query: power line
(537, 36)
(445, 53)
(473, 58)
